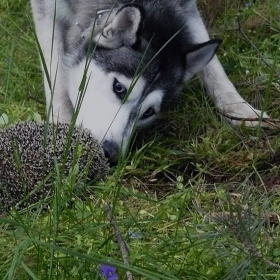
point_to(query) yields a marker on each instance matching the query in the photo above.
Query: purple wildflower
(109, 272)
(248, 4)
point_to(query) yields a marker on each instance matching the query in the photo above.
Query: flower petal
(113, 277)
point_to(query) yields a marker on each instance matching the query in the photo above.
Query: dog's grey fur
(148, 48)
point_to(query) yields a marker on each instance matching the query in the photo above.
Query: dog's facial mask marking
(103, 111)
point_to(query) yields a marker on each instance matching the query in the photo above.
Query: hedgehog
(29, 158)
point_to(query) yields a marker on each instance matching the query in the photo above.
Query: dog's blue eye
(148, 113)
(119, 89)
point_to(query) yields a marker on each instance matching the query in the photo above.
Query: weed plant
(194, 199)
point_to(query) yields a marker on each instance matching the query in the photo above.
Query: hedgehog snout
(111, 151)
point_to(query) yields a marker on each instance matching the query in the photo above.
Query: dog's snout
(111, 151)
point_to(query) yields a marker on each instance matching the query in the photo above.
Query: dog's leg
(49, 32)
(216, 82)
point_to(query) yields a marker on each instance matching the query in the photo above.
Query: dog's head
(129, 70)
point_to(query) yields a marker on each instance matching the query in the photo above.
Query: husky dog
(119, 63)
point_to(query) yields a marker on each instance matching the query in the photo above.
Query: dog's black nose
(111, 151)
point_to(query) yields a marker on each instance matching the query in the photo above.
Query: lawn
(194, 199)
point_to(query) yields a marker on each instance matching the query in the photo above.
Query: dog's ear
(200, 55)
(123, 29)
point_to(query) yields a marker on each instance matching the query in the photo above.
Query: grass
(201, 197)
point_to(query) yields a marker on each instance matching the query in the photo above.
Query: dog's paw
(245, 114)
